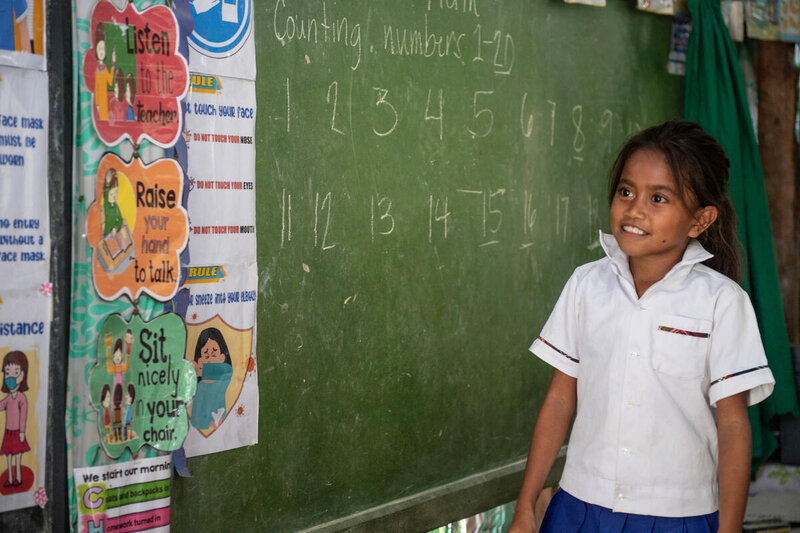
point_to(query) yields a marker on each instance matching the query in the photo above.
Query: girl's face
(128, 94)
(210, 353)
(117, 356)
(116, 91)
(100, 50)
(106, 401)
(13, 371)
(649, 217)
(112, 195)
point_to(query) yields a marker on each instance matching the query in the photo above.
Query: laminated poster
(22, 34)
(222, 40)
(599, 3)
(661, 7)
(24, 362)
(137, 228)
(124, 497)
(24, 202)
(220, 344)
(136, 74)
(790, 21)
(141, 384)
(220, 128)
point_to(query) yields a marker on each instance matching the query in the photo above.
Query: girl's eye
(624, 191)
(659, 199)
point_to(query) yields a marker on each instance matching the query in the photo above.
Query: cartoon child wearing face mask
(15, 404)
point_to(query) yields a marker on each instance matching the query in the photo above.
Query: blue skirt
(568, 514)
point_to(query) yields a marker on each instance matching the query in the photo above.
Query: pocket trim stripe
(683, 332)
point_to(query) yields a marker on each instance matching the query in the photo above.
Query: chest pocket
(680, 346)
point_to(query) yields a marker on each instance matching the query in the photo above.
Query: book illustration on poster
(137, 228)
(117, 244)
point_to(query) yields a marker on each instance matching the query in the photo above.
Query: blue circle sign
(221, 27)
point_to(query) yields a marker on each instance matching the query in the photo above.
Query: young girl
(15, 383)
(105, 401)
(656, 351)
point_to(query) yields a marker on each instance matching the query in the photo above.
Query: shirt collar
(694, 253)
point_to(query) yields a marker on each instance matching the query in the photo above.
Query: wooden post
(777, 109)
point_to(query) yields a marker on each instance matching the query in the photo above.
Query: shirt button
(634, 354)
(626, 451)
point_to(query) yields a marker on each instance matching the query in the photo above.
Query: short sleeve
(557, 345)
(737, 362)
(20, 9)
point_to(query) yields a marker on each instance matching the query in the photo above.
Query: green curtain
(716, 98)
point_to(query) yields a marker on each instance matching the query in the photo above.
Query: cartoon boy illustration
(15, 404)
(14, 12)
(103, 77)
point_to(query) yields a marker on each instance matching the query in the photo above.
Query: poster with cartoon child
(22, 33)
(220, 343)
(24, 340)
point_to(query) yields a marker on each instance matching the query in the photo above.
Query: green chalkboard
(429, 172)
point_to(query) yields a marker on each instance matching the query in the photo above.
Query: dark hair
(700, 169)
(212, 334)
(117, 395)
(130, 83)
(16, 358)
(113, 181)
(118, 345)
(131, 391)
(99, 34)
(119, 81)
(106, 390)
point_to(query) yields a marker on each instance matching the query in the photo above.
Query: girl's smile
(649, 217)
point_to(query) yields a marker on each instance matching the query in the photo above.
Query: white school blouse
(649, 372)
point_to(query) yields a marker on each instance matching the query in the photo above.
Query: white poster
(22, 33)
(222, 40)
(220, 130)
(24, 202)
(125, 497)
(25, 317)
(220, 343)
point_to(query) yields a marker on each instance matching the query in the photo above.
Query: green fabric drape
(715, 98)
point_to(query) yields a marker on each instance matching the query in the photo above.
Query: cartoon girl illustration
(15, 404)
(212, 363)
(105, 401)
(129, 397)
(117, 413)
(111, 217)
(130, 96)
(117, 106)
(103, 77)
(116, 367)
